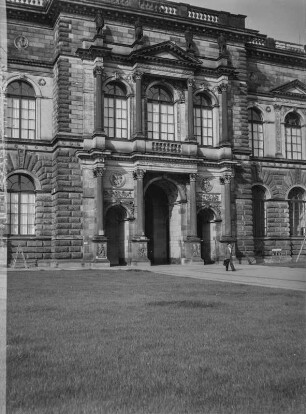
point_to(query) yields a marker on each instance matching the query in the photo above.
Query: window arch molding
(117, 108)
(32, 176)
(37, 97)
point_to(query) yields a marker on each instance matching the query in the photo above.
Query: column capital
(98, 71)
(190, 82)
(137, 75)
(226, 178)
(138, 174)
(98, 171)
(193, 177)
(223, 87)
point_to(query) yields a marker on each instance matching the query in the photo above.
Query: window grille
(160, 108)
(203, 120)
(115, 111)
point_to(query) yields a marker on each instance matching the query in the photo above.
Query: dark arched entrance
(206, 225)
(157, 224)
(115, 231)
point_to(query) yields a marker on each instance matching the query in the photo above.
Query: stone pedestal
(100, 252)
(192, 251)
(140, 251)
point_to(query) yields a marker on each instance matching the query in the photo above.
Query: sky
(281, 19)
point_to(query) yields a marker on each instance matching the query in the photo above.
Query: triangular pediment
(165, 52)
(295, 88)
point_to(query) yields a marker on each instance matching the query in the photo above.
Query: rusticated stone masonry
(66, 203)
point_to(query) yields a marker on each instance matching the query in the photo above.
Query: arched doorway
(157, 224)
(115, 231)
(207, 232)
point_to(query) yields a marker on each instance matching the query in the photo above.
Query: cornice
(283, 57)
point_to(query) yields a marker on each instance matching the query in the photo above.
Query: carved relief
(21, 42)
(206, 185)
(101, 251)
(196, 249)
(278, 128)
(139, 174)
(118, 194)
(98, 172)
(117, 179)
(226, 178)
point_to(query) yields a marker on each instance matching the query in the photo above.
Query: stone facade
(166, 185)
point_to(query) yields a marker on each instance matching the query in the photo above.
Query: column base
(192, 251)
(100, 252)
(140, 251)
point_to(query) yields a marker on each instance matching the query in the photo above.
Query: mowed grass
(137, 342)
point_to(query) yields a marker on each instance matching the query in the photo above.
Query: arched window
(20, 205)
(115, 110)
(297, 211)
(160, 114)
(21, 110)
(256, 138)
(259, 211)
(293, 136)
(203, 119)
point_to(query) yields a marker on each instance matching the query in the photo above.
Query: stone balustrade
(294, 47)
(29, 2)
(205, 16)
(167, 147)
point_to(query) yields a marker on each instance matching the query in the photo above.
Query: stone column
(192, 242)
(227, 227)
(137, 79)
(193, 206)
(139, 242)
(99, 239)
(224, 105)
(99, 119)
(278, 131)
(190, 83)
(138, 176)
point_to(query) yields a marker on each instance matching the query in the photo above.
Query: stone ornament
(226, 178)
(195, 250)
(206, 185)
(42, 82)
(21, 42)
(101, 251)
(117, 180)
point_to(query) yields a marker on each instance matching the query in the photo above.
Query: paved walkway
(276, 277)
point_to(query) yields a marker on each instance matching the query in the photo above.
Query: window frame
(259, 212)
(30, 224)
(208, 107)
(163, 111)
(21, 98)
(289, 137)
(297, 206)
(256, 136)
(116, 120)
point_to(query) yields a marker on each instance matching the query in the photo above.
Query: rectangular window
(21, 118)
(21, 213)
(203, 126)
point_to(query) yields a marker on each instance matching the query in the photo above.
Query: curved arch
(24, 78)
(294, 111)
(181, 191)
(163, 84)
(293, 187)
(217, 213)
(210, 93)
(35, 180)
(127, 86)
(128, 213)
(265, 187)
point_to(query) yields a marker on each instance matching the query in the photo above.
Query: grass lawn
(137, 342)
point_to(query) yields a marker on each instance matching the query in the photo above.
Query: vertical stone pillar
(224, 106)
(138, 80)
(227, 227)
(99, 118)
(138, 176)
(192, 242)
(278, 131)
(139, 242)
(193, 206)
(190, 137)
(99, 239)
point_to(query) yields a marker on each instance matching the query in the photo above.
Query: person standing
(229, 257)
